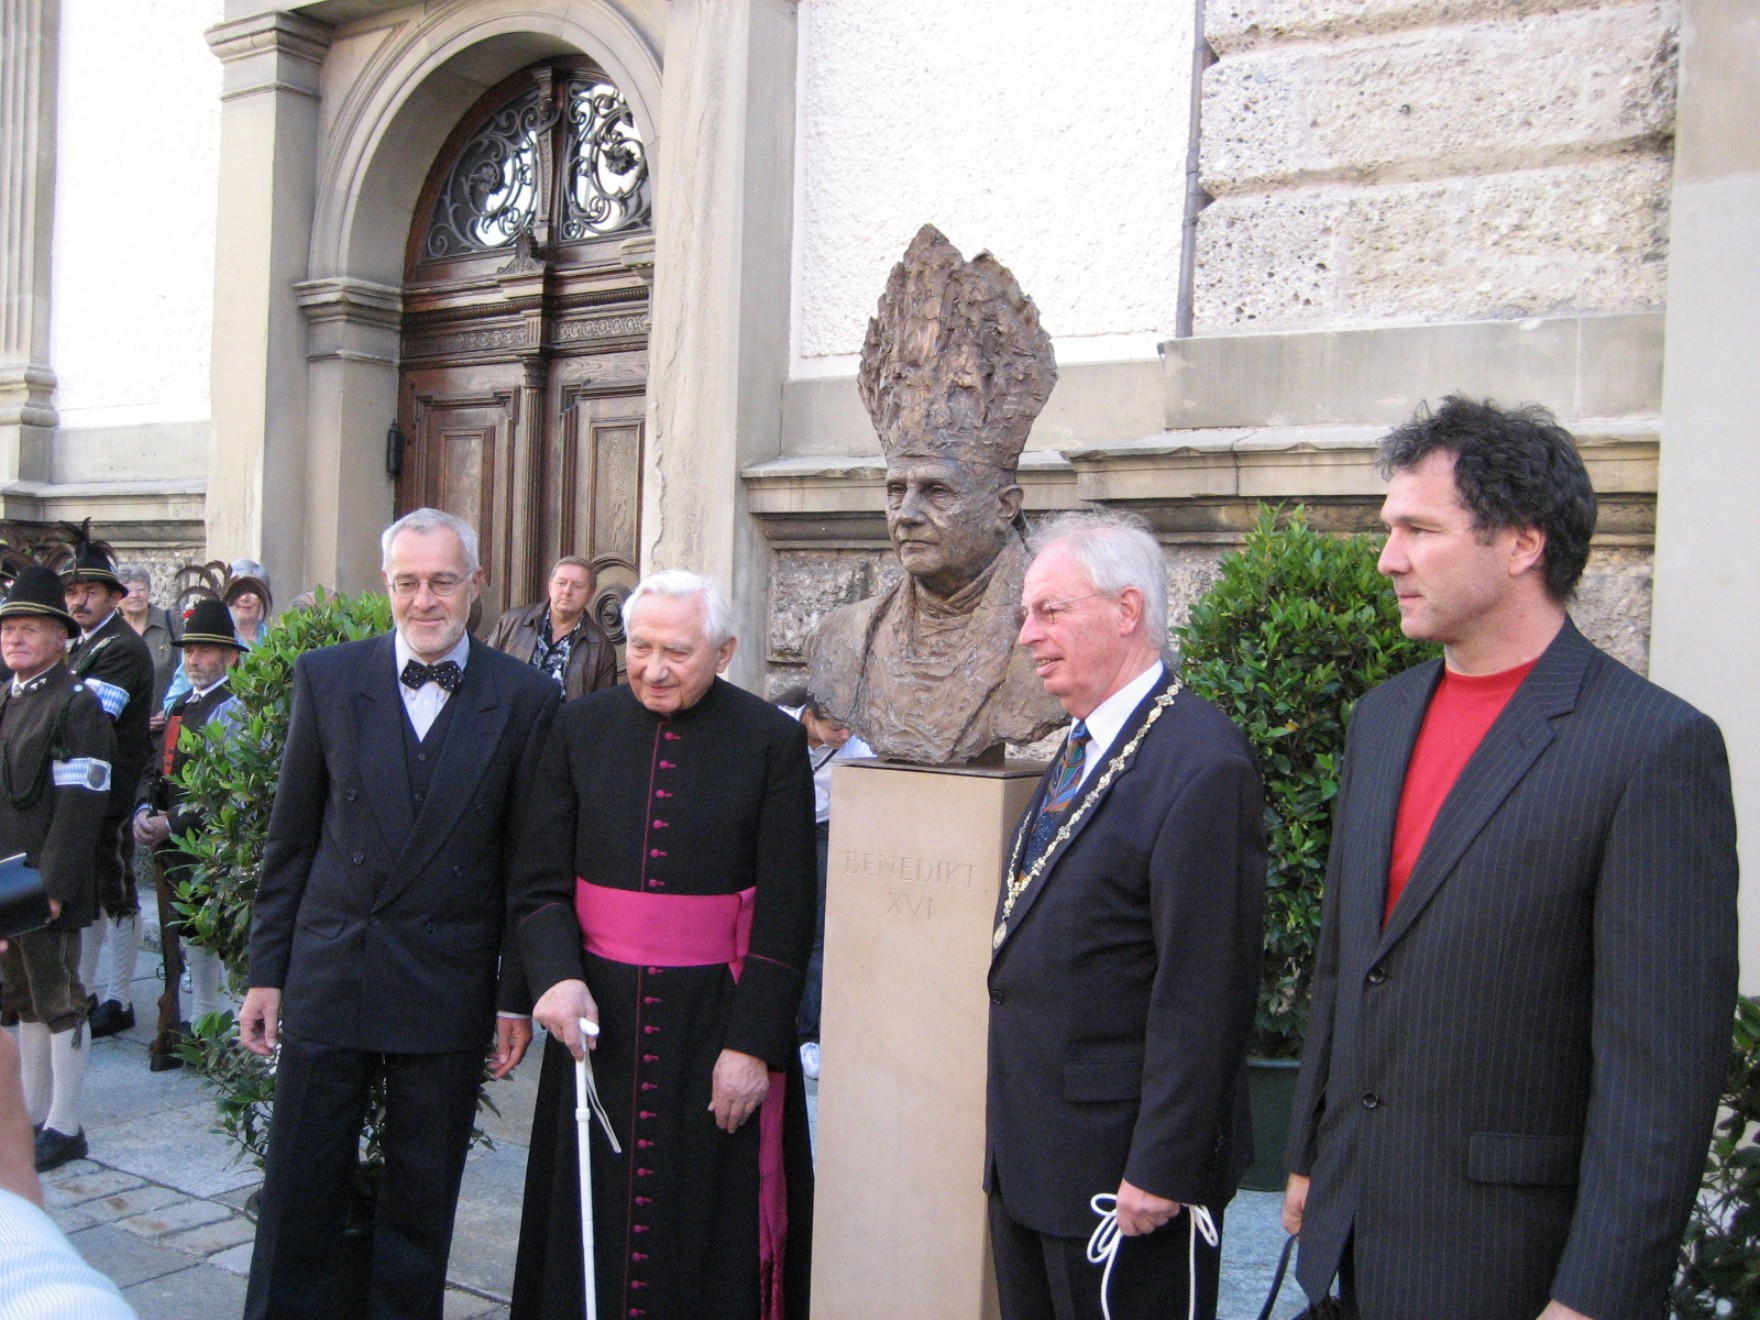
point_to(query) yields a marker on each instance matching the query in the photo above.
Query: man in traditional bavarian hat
(210, 649)
(56, 750)
(113, 662)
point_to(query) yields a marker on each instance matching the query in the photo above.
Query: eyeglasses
(442, 585)
(1047, 612)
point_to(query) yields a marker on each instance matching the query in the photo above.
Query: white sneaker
(810, 1060)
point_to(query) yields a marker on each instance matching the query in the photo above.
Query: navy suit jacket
(381, 922)
(1123, 994)
(1507, 1094)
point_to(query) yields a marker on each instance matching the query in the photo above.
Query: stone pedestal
(915, 863)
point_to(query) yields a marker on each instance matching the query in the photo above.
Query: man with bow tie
(1125, 959)
(378, 926)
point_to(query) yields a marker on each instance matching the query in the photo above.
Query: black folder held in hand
(23, 904)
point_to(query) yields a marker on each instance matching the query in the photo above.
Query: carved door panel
(463, 456)
(600, 461)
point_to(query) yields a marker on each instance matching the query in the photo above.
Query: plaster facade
(1056, 139)
(145, 184)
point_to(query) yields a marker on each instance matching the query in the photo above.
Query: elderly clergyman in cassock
(664, 889)
(57, 748)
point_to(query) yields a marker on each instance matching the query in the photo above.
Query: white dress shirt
(425, 703)
(1106, 721)
(42, 1277)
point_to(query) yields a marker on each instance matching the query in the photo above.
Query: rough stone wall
(162, 562)
(1387, 161)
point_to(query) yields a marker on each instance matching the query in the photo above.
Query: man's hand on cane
(559, 1011)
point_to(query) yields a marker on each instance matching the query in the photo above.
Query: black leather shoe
(111, 1018)
(57, 1148)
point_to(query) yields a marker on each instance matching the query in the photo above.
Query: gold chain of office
(1017, 884)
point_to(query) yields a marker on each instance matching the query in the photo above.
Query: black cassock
(714, 800)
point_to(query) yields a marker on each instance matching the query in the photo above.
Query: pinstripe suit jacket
(1507, 1093)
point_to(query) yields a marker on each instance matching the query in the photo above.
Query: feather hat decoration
(90, 560)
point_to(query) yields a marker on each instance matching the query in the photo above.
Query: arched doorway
(524, 368)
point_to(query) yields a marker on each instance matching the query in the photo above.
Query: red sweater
(1462, 710)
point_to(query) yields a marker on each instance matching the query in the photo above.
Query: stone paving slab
(485, 1235)
(235, 1260)
(209, 1239)
(198, 1292)
(461, 1305)
(88, 1183)
(177, 1148)
(177, 1217)
(148, 1196)
(125, 1258)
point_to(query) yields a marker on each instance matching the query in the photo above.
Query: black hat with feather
(36, 592)
(92, 561)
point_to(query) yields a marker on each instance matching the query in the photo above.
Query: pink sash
(698, 930)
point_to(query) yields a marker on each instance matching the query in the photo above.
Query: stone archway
(327, 136)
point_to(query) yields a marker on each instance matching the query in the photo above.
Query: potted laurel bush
(231, 781)
(1720, 1255)
(1299, 626)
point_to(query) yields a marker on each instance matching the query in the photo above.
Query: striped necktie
(1066, 778)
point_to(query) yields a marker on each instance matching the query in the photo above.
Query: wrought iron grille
(494, 191)
(605, 187)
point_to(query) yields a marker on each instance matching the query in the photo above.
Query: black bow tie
(447, 674)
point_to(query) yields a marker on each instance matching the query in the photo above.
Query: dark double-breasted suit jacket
(380, 918)
(1507, 1093)
(1123, 993)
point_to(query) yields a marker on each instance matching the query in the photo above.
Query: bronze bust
(955, 368)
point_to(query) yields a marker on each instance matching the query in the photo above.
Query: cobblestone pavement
(159, 1205)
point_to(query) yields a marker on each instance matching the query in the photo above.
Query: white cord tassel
(1103, 1248)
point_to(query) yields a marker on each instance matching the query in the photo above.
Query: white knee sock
(90, 946)
(33, 1067)
(68, 1052)
(125, 947)
(204, 981)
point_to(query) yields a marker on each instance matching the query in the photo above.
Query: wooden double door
(525, 331)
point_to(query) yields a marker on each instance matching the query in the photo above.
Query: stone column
(1705, 628)
(28, 52)
(352, 400)
(719, 347)
(268, 189)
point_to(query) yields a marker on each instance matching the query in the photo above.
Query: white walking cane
(586, 1105)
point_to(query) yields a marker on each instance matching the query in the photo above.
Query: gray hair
(135, 573)
(1116, 551)
(717, 614)
(425, 522)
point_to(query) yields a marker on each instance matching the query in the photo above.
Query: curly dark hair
(1514, 467)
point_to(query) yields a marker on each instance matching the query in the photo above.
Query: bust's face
(948, 520)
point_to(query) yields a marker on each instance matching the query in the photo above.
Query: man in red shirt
(1527, 961)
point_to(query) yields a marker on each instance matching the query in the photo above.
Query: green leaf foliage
(1720, 1256)
(1298, 628)
(230, 781)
